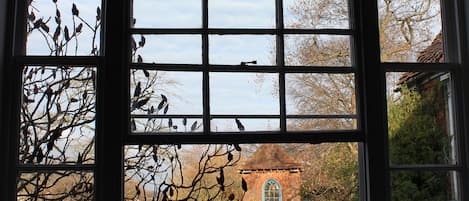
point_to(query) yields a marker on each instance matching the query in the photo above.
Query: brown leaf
(75, 10)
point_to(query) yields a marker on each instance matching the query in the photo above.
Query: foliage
(417, 136)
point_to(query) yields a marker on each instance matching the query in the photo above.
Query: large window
(208, 99)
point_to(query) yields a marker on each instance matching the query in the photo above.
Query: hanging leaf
(39, 155)
(57, 33)
(171, 192)
(194, 126)
(133, 44)
(166, 109)
(57, 13)
(50, 145)
(139, 59)
(73, 100)
(164, 98)
(38, 23)
(170, 123)
(237, 147)
(175, 127)
(75, 10)
(231, 197)
(66, 34)
(229, 156)
(239, 124)
(137, 90)
(45, 27)
(79, 27)
(58, 20)
(147, 74)
(152, 110)
(142, 102)
(32, 16)
(244, 185)
(85, 94)
(142, 41)
(184, 121)
(98, 14)
(160, 105)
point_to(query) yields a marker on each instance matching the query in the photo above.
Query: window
(135, 100)
(272, 191)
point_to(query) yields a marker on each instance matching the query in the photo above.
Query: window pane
(241, 14)
(166, 125)
(214, 172)
(234, 49)
(309, 124)
(424, 185)
(409, 31)
(320, 93)
(317, 50)
(167, 14)
(244, 124)
(175, 49)
(63, 28)
(421, 118)
(58, 115)
(55, 185)
(167, 92)
(316, 14)
(244, 93)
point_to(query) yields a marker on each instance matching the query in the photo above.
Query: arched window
(272, 191)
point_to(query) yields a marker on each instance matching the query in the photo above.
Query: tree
(417, 137)
(406, 28)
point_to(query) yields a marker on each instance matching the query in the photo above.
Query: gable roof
(270, 157)
(432, 54)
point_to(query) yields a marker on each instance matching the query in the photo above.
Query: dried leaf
(75, 10)
(231, 197)
(79, 27)
(147, 74)
(45, 27)
(40, 155)
(57, 33)
(32, 16)
(139, 59)
(170, 123)
(244, 185)
(175, 127)
(142, 41)
(166, 109)
(184, 121)
(160, 105)
(66, 34)
(164, 98)
(79, 158)
(239, 124)
(138, 90)
(133, 127)
(237, 147)
(194, 126)
(57, 13)
(142, 102)
(98, 13)
(229, 156)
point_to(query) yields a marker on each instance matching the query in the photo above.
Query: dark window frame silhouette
(113, 131)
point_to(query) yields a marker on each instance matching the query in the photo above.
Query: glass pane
(166, 125)
(421, 118)
(316, 14)
(320, 93)
(175, 49)
(244, 124)
(424, 185)
(58, 115)
(296, 124)
(55, 185)
(63, 28)
(317, 50)
(244, 93)
(241, 14)
(165, 92)
(235, 49)
(167, 14)
(221, 172)
(409, 31)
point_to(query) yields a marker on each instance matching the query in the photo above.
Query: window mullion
(206, 69)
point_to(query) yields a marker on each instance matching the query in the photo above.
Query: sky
(239, 93)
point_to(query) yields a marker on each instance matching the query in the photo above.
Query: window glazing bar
(216, 31)
(52, 60)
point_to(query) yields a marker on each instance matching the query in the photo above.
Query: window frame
(112, 130)
(276, 183)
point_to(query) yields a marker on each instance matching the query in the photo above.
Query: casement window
(174, 100)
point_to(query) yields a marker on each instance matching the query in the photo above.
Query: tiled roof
(270, 157)
(432, 54)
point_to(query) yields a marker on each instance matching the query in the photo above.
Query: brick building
(271, 175)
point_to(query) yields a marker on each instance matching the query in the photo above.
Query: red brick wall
(290, 184)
